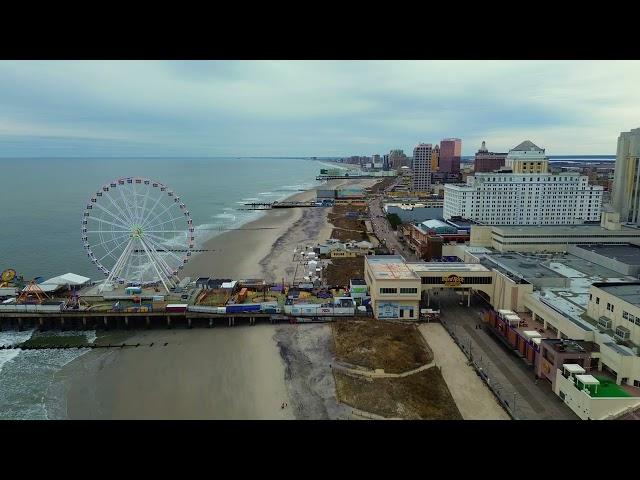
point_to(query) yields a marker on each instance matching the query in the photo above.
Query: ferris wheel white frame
(137, 232)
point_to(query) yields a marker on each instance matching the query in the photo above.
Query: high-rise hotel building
(422, 168)
(626, 180)
(527, 158)
(486, 161)
(538, 198)
(450, 154)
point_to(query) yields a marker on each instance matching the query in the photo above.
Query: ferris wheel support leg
(117, 268)
(172, 279)
(153, 261)
(157, 260)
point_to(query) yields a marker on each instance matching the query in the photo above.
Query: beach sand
(220, 373)
(265, 248)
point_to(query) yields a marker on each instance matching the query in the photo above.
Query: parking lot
(511, 379)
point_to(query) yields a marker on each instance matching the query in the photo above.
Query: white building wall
(588, 408)
(524, 199)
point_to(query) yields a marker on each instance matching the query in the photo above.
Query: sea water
(41, 205)
(42, 200)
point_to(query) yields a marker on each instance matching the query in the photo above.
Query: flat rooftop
(524, 266)
(389, 267)
(562, 281)
(446, 267)
(629, 292)
(563, 230)
(571, 346)
(627, 254)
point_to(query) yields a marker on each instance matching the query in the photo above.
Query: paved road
(507, 372)
(384, 232)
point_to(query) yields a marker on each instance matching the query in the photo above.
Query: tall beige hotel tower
(626, 181)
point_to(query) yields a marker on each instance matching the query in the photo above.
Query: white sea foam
(24, 386)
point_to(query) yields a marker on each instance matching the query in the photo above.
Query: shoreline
(219, 373)
(262, 248)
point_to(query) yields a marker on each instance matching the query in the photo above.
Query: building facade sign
(452, 280)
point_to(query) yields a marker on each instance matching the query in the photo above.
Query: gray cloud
(195, 108)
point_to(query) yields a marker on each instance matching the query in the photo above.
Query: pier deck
(81, 320)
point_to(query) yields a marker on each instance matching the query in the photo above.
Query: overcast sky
(311, 108)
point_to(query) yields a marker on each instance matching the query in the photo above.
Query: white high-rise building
(626, 182)
(524, 199)
(422, 168)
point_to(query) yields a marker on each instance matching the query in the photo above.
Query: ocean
(42, 200)
(41, 205)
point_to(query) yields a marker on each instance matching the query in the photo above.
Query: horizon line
(310, 157)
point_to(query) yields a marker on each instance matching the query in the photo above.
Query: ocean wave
(26, 379)
(230, 216)
(12, 338)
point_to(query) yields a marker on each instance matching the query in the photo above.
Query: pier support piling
(148, 322)
(84, 323)
(210, 322)
(19, 324)
(106, 325)
(189, 322)
(62, 323)
(168, 321)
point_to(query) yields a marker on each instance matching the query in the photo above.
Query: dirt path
(473, 398)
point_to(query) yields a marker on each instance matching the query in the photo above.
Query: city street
(509, 375)
(384, 232)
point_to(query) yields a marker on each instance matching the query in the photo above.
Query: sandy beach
(264, 248)
(220, 373)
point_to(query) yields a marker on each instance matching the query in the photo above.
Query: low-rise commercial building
(550, 238)
(394, 287)
(551, 308)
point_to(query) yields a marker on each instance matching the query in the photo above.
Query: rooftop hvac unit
(622, 333)
(604, 322)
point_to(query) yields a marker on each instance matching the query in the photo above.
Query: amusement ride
(137, 231)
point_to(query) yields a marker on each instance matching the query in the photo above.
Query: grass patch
(380, 186)
(347, 228)
(341, 270)
(374, 344)
(609, 388)
(422, 396)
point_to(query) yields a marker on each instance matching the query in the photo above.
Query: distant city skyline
(311, 108)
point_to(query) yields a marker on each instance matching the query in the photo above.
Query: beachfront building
(558, 297)
(525, 199)
(486, 161)
(394, 288)
(626, 183)
(422, 168)
(450, 155)
(527, 158)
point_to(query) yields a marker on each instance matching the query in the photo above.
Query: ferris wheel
(138, 231)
